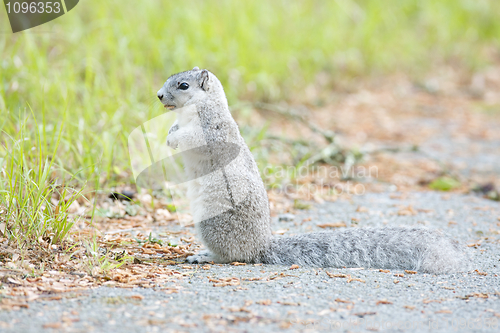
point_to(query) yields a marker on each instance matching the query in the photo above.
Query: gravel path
(307, 299)
(469, 155)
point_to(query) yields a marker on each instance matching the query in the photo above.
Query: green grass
(96, 263)
(104, 61)
(101, 64)
(444, 184)
(34, 199)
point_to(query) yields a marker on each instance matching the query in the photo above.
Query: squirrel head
(188, 88)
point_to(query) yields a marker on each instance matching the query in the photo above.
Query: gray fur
(231, 209)
(412, 248)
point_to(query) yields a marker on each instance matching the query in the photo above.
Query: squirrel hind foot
(204, 257)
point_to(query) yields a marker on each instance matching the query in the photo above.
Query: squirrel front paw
(172, 141)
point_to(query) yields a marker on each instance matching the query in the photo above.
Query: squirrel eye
(183, 86)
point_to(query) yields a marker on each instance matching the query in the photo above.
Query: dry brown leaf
(32, 280)
(406, 211)
(289, 303)
(170, 290)
(264, 302)
(52, 325)
(236, 309)
(294, 267)
(383, 301)
(238, 263)
(336, 275)
(324, 312)
(384, 270)
(11, 280)
(69, 320)
(427, 301)
(147, 251)
(332, 225)
(139, 297)
(252, 278)
(362, 314)
(338, 300)
(223, 282)
(355, 279)
(285, 324)
(410, 272)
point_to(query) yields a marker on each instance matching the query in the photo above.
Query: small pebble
(286, 217)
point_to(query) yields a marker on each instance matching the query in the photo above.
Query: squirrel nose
(160, 97)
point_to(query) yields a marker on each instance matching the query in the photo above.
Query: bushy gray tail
(411, 248)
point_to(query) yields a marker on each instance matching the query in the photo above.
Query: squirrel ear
(196, 68)
(203, 79)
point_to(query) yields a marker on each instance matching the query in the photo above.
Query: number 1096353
(33, 7)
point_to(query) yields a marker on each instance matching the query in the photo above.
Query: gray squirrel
(230, 207)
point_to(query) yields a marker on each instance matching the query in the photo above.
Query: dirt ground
(411, 133)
